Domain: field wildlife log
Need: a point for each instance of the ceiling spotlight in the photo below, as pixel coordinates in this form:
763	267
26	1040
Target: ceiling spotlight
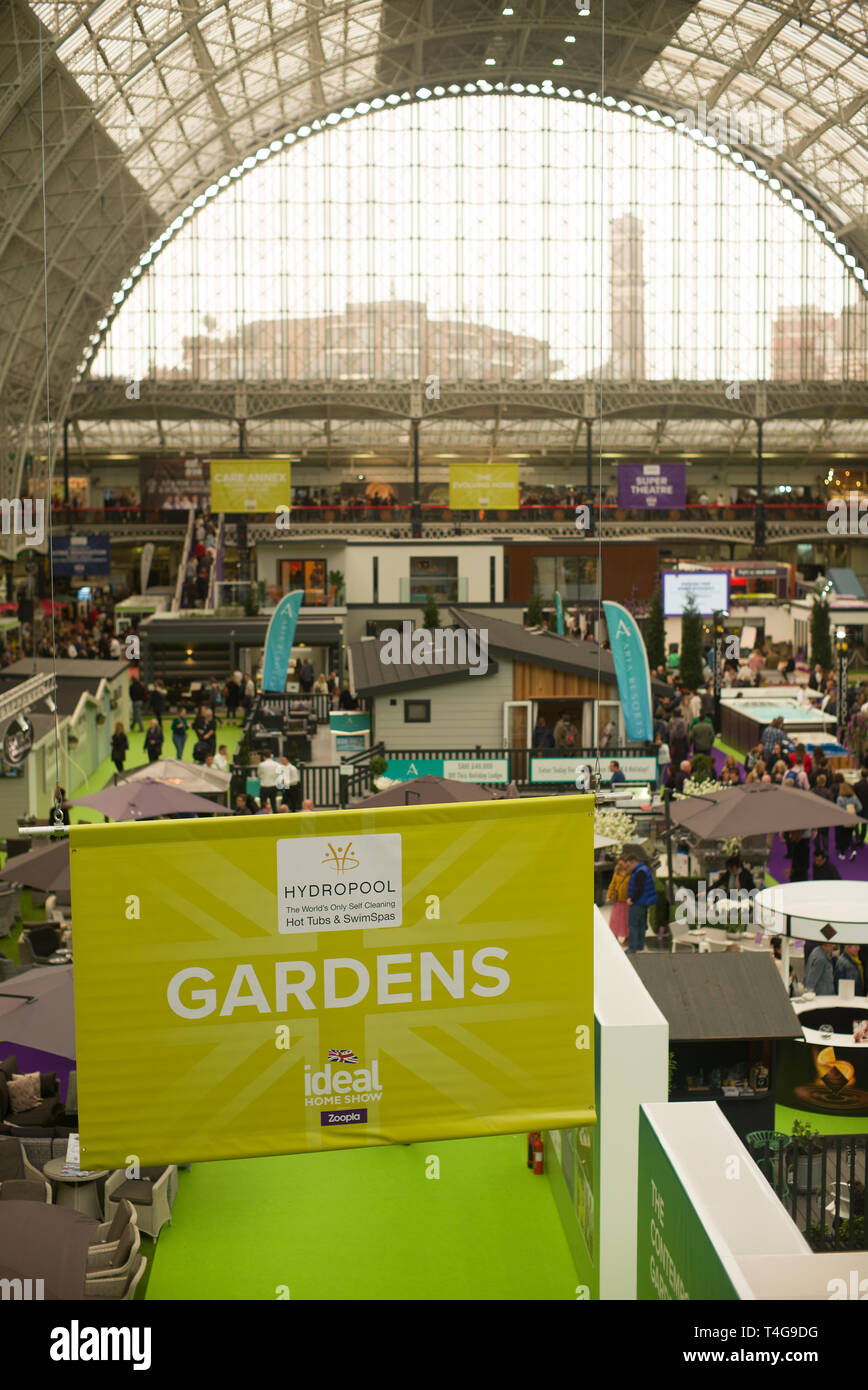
509	11
557	62
490	62
584	11
570	38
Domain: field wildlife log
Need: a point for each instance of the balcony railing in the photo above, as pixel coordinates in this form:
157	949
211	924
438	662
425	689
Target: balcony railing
305	514
821	1182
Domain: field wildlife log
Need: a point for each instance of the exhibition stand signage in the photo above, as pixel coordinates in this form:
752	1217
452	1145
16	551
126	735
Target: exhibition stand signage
267	985
351	732
250	485
77	555
453	769
642	770
474	485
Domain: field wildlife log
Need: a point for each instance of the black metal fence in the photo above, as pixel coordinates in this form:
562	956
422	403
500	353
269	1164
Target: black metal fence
821	1182
327	784
330	784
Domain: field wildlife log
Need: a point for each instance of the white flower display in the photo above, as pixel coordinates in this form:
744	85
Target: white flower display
703	788
731	845
614	825
384	783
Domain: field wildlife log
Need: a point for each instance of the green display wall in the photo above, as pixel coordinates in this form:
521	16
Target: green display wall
676	1256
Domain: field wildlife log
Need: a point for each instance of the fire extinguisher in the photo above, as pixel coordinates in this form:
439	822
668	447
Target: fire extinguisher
535	1151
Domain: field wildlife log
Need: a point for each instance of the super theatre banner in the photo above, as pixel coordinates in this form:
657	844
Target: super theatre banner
333	979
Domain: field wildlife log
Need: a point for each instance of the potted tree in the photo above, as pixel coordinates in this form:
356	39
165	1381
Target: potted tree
807	1161
430	613
534	615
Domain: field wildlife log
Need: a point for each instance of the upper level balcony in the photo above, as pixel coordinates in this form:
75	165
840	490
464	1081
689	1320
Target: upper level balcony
786	522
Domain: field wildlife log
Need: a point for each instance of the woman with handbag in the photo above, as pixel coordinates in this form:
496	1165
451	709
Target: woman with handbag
617	896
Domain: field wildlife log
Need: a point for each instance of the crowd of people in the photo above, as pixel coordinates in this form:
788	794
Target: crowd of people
203	557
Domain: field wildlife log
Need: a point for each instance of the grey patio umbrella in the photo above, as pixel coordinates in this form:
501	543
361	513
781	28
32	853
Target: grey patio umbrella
44	1018
46	869
756	808
187	777
146	799
429	791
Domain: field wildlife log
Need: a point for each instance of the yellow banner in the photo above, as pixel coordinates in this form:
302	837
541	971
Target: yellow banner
250	485
473	485
333	979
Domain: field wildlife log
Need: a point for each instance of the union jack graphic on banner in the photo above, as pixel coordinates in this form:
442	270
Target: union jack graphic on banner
341	1054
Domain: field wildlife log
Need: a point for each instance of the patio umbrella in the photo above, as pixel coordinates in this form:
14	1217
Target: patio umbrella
44	1019
429	791
146	799
46	869
756	808
188	777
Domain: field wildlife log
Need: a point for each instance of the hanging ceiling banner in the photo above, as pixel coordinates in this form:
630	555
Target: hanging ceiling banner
250	485
474	485
334	979
647	485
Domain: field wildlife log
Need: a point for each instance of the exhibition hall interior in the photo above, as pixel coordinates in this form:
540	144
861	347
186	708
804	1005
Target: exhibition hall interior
433	638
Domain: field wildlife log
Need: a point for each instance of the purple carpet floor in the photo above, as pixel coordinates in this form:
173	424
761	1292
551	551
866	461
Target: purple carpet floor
856	870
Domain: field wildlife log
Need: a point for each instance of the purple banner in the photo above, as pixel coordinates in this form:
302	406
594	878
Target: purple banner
661	485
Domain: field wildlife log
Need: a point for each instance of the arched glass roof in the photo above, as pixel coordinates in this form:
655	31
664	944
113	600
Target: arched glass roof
115	115
499	236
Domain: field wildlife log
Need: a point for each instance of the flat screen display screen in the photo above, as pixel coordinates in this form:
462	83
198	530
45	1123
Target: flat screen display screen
710	588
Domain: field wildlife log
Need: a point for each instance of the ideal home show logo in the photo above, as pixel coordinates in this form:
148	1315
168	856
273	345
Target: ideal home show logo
341	1089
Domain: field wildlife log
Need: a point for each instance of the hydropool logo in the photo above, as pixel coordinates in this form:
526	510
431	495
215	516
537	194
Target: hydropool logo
342	1090
341	860
360	884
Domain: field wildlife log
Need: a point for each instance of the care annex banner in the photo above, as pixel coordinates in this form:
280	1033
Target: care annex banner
334	979
474	485
250	485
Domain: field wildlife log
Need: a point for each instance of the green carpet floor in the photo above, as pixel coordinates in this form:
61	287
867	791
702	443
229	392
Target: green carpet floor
367	1224
230	734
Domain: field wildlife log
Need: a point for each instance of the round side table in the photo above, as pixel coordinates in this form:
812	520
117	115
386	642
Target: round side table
79	1193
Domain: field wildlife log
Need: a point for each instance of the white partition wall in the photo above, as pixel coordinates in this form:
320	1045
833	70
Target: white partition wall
633	1067
593	1172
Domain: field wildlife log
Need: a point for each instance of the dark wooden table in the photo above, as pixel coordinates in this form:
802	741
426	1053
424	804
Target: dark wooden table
42	1241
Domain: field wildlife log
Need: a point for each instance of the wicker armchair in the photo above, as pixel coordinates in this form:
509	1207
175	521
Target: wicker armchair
109	1233
152	1195
115	1258
116	1285
19	1180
